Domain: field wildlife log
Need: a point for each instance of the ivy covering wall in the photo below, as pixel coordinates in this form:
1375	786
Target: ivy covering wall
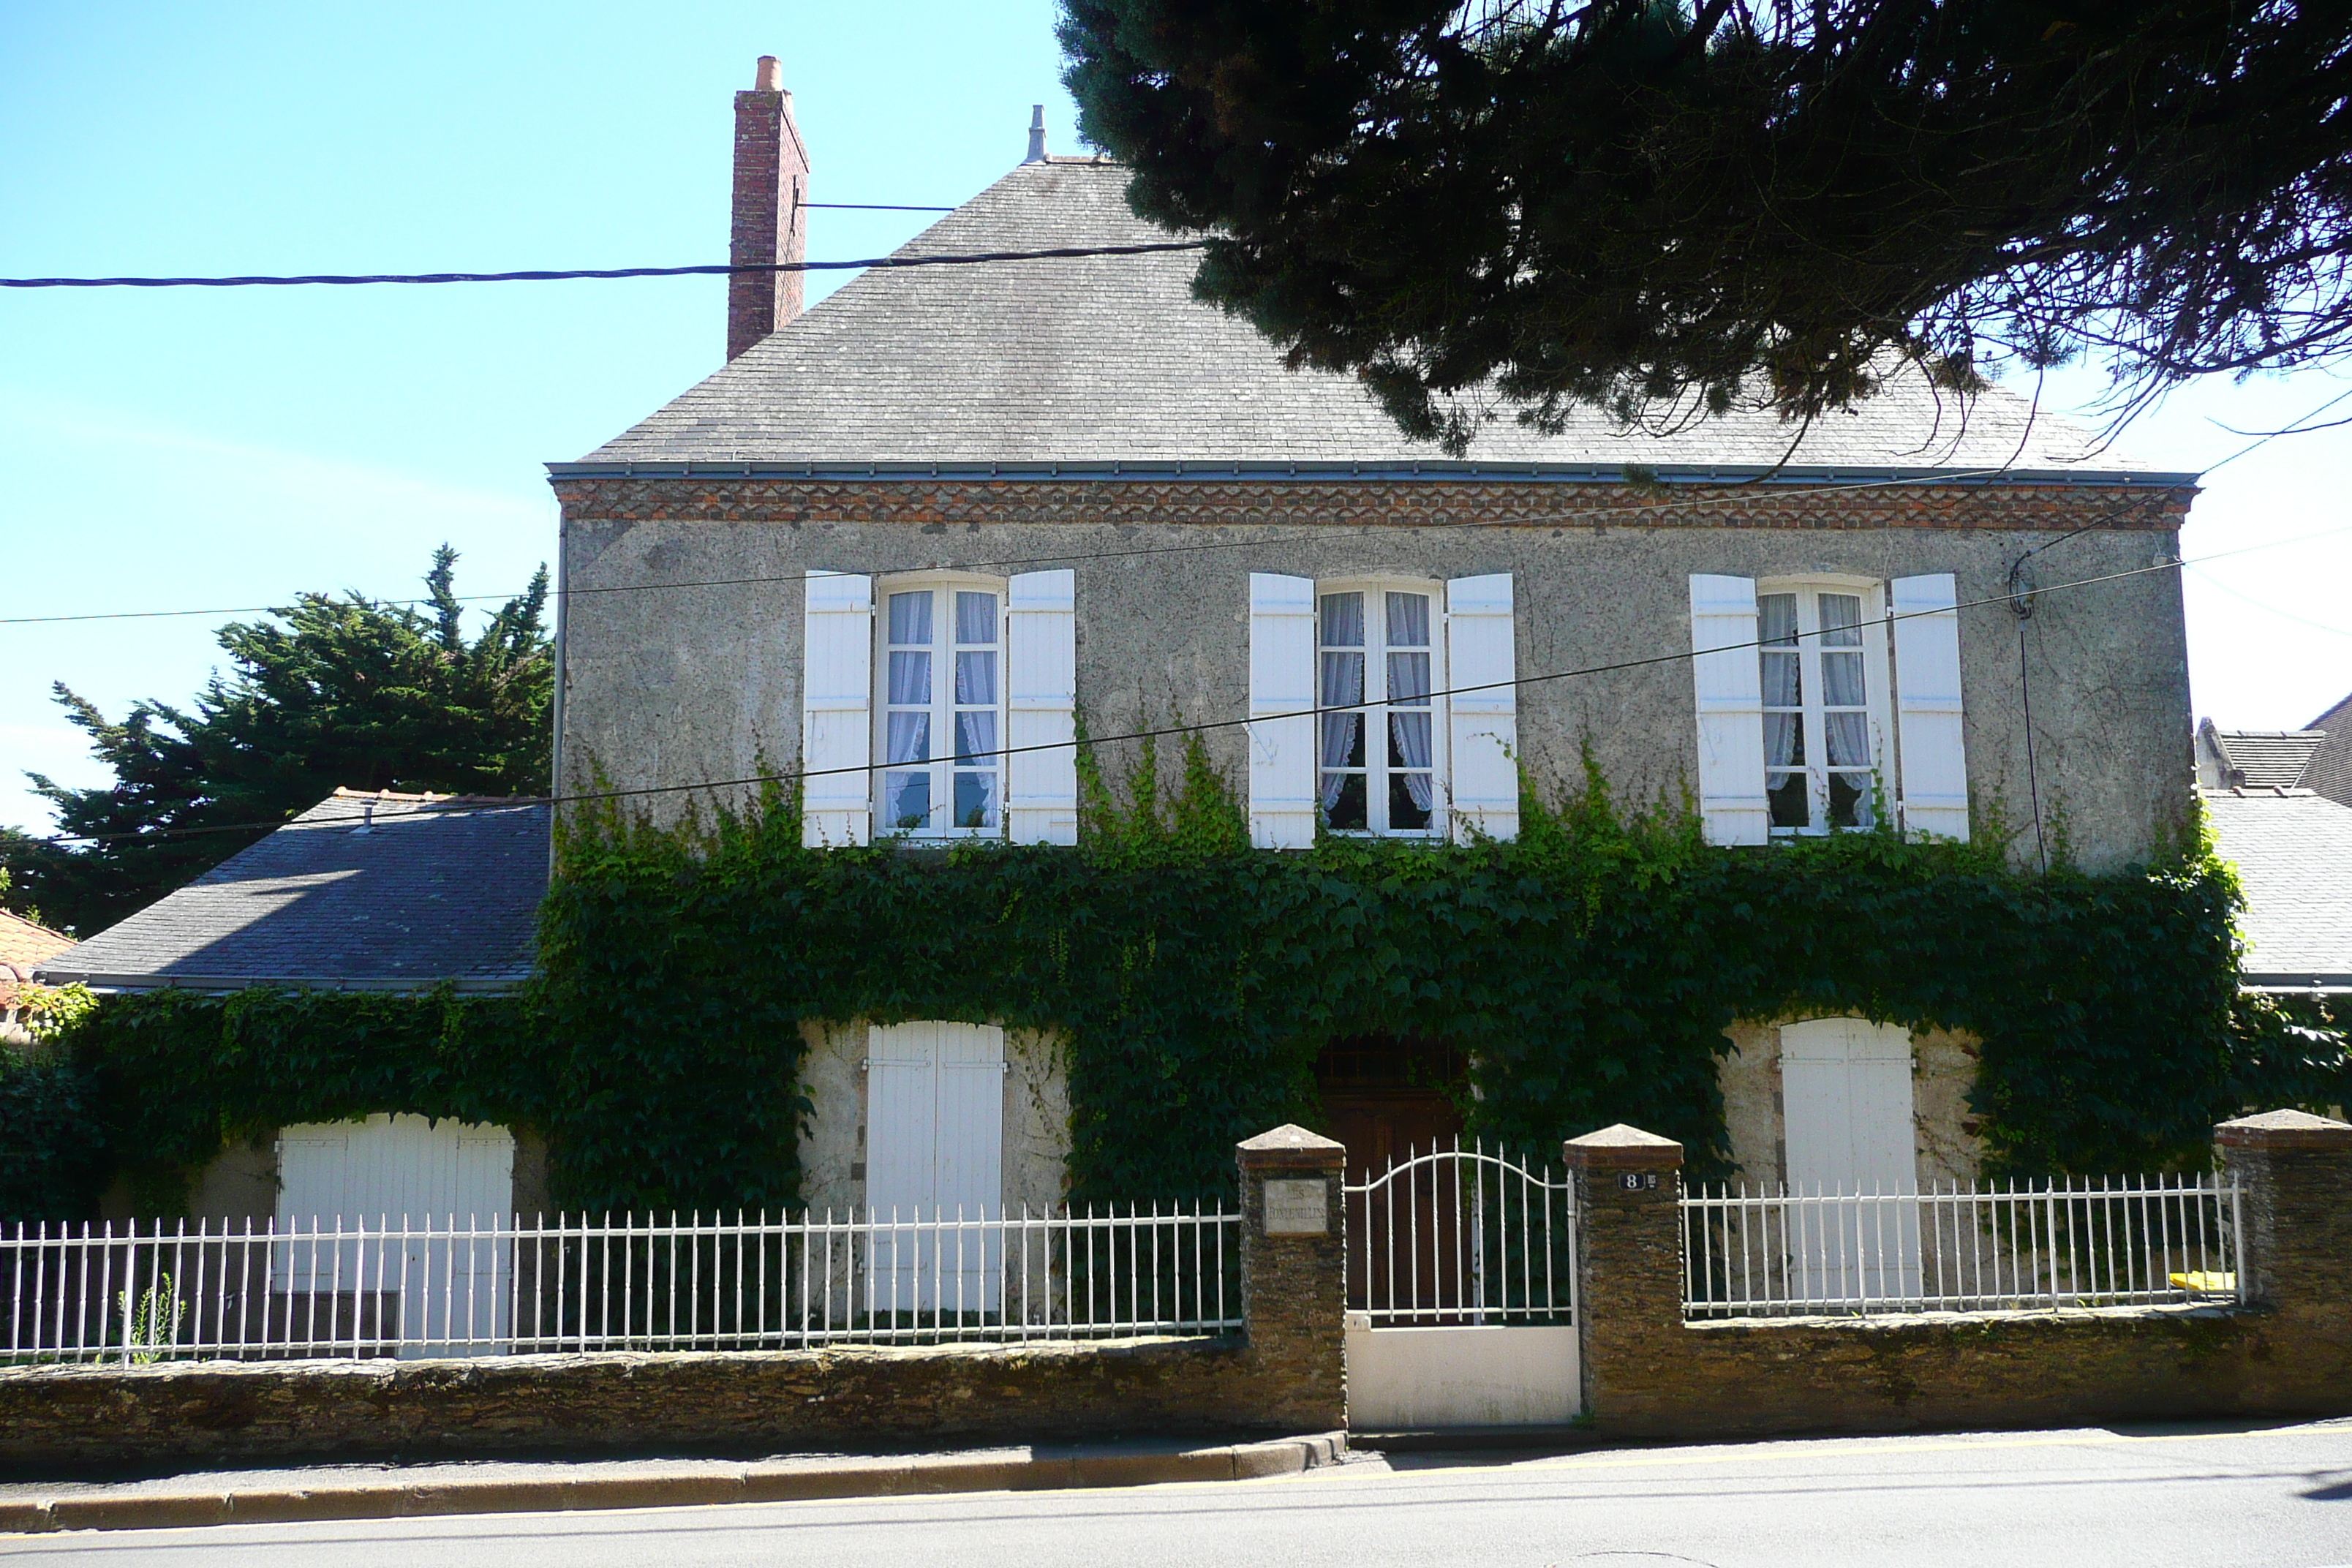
1588	970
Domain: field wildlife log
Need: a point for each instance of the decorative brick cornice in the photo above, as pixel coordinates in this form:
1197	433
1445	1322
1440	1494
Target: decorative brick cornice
1251	502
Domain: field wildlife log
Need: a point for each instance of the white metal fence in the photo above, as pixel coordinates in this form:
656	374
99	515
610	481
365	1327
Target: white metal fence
1461	1236
146	1292
2133	1241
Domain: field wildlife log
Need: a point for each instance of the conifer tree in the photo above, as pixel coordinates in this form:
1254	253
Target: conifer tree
338	690
1664	208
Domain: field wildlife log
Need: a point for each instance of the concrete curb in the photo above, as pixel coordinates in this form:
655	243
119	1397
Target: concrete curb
912	1476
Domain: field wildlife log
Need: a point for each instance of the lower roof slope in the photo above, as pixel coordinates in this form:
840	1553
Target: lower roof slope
2294	855
1105	359
368	891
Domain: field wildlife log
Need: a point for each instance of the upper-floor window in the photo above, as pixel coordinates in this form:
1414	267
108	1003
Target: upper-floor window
941	708
1379	766
1826	702
1823	655
1382	706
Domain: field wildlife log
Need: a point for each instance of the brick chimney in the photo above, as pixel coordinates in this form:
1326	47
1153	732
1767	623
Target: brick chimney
771	173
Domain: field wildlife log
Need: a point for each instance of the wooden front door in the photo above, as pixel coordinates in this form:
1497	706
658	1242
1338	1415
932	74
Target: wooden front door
1387	1098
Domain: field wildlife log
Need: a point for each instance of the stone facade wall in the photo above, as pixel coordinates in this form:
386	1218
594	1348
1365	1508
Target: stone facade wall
1648	1373
1943	1131
669	687
833	1139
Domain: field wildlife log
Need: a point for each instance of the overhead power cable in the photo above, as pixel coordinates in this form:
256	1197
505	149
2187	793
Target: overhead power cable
1168	731
1976	477
724	270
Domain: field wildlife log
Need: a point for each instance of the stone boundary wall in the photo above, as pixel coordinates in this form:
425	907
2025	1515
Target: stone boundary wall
1284	1374
2288	1352
1423	503
861	1394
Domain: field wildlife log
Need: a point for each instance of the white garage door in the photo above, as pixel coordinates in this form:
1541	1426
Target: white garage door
1845	1094
935	1156
401	1173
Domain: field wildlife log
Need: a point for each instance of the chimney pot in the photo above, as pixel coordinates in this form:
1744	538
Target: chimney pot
1037	135
771	224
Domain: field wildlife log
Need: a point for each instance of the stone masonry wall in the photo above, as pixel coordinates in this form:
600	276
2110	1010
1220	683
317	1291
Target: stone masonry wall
762	1401
683	630
2287	1353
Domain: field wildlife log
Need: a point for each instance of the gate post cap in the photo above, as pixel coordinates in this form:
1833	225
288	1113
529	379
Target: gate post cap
1290	1148
2283	1129
1622	1148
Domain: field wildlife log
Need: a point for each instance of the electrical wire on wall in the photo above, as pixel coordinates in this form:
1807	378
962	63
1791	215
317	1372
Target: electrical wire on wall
2020	605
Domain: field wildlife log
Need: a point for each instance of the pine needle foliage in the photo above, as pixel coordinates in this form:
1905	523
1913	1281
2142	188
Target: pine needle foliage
1667	208
338	690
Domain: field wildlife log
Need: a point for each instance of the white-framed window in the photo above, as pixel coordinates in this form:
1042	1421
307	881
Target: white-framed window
1821	700
1432	752
939	707
1823	675
1382	769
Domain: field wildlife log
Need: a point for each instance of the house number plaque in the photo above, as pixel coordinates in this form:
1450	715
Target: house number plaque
1638	1180
1297	1208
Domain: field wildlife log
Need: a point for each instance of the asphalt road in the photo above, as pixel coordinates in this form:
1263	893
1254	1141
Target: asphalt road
2279	1497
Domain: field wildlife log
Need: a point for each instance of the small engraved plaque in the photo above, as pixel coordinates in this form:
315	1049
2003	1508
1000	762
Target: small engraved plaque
1297	1208
1638	1180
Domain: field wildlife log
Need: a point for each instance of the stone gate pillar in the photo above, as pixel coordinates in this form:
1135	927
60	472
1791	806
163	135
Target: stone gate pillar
1628	1269
1294	1276
2293	1172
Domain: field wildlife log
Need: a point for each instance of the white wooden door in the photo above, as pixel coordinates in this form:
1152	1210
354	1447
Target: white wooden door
1845	1096
935	1165
396	1174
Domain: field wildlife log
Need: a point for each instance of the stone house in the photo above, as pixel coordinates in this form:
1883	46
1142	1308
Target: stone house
920	530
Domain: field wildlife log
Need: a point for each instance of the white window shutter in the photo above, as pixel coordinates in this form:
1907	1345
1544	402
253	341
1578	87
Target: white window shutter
1927	706
1483	731
1041	685
1730	692
837	711
1282	772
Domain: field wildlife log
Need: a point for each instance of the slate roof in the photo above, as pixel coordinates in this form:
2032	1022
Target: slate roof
1084	364
366	891
2261	759
2331	767
2293	854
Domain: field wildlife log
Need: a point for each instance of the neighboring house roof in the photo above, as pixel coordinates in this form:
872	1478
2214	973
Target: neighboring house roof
1077	364
2255	759
2331	767
2293	854
390	892
23	945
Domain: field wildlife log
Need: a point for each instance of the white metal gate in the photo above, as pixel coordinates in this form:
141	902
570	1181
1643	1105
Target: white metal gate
1460	1293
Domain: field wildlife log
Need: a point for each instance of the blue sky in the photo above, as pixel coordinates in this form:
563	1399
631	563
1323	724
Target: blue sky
187	448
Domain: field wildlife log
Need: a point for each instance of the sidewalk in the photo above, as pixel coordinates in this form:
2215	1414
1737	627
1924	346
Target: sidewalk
501	1486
